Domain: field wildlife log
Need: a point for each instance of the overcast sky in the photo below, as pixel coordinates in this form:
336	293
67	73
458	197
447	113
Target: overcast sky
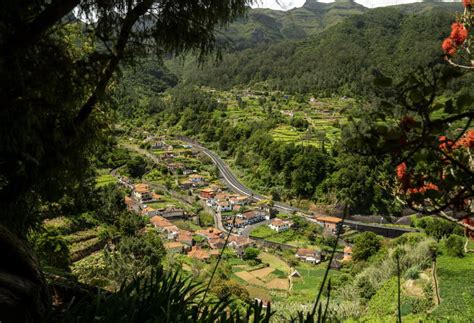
288	4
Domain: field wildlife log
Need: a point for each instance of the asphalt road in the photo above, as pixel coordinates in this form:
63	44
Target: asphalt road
232	182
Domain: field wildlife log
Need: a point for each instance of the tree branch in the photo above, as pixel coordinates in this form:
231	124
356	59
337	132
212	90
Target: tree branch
50	16
130	19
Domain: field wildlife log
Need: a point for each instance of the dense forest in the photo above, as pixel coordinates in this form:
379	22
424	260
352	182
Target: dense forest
339	59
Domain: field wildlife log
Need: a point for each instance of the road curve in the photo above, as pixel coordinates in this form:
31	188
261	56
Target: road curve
233	183
230	179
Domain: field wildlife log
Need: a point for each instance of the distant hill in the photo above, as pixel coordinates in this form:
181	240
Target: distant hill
339	57
267	25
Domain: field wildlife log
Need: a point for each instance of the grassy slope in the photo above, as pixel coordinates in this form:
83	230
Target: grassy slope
456	280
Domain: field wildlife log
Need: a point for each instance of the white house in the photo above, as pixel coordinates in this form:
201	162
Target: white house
308	255
224	206
279	225
142	193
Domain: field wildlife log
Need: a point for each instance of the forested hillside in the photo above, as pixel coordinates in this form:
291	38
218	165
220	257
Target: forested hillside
394	40
266	26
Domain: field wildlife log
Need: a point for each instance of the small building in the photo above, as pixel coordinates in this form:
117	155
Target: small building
196	178
239	200
238	223
279	225
224	206
157	145
216	243
171	212
188	171
330	223
252	216
209	233
186	238
160	223
198	253
142	193
207	193
308	255
174	247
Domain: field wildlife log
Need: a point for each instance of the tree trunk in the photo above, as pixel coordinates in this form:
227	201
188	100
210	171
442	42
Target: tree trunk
24	293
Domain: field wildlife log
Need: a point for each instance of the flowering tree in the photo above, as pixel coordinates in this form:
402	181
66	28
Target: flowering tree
458	45
427	132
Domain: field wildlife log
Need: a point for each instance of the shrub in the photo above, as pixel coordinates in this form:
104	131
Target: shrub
412	273
454	245
251	253
366	245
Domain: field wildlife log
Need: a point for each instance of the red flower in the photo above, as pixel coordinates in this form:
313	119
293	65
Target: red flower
423	189
445	143
467	3
467	140
402	171
459	33
449	46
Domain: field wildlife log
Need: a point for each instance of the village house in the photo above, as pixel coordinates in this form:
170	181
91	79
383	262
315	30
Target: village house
239	200
209	233
159	222
166	227
198	253
216	243
279	225
308	255
252	216
238	223
224	206
239	243
196	178
207	193
186	238
188	171
347	253
174	247
149	211
142	193
330	223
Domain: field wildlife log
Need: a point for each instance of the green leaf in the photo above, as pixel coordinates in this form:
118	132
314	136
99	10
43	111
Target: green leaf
464	100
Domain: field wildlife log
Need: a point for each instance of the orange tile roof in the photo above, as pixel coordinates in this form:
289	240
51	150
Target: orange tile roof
198	253
173	245
329	219
141	188
160	221
303	252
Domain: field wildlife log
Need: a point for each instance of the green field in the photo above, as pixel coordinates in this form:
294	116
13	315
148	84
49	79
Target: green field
105	179
456	284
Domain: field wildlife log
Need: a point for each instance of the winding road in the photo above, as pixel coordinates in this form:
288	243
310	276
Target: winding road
236	186
233	183
230	179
